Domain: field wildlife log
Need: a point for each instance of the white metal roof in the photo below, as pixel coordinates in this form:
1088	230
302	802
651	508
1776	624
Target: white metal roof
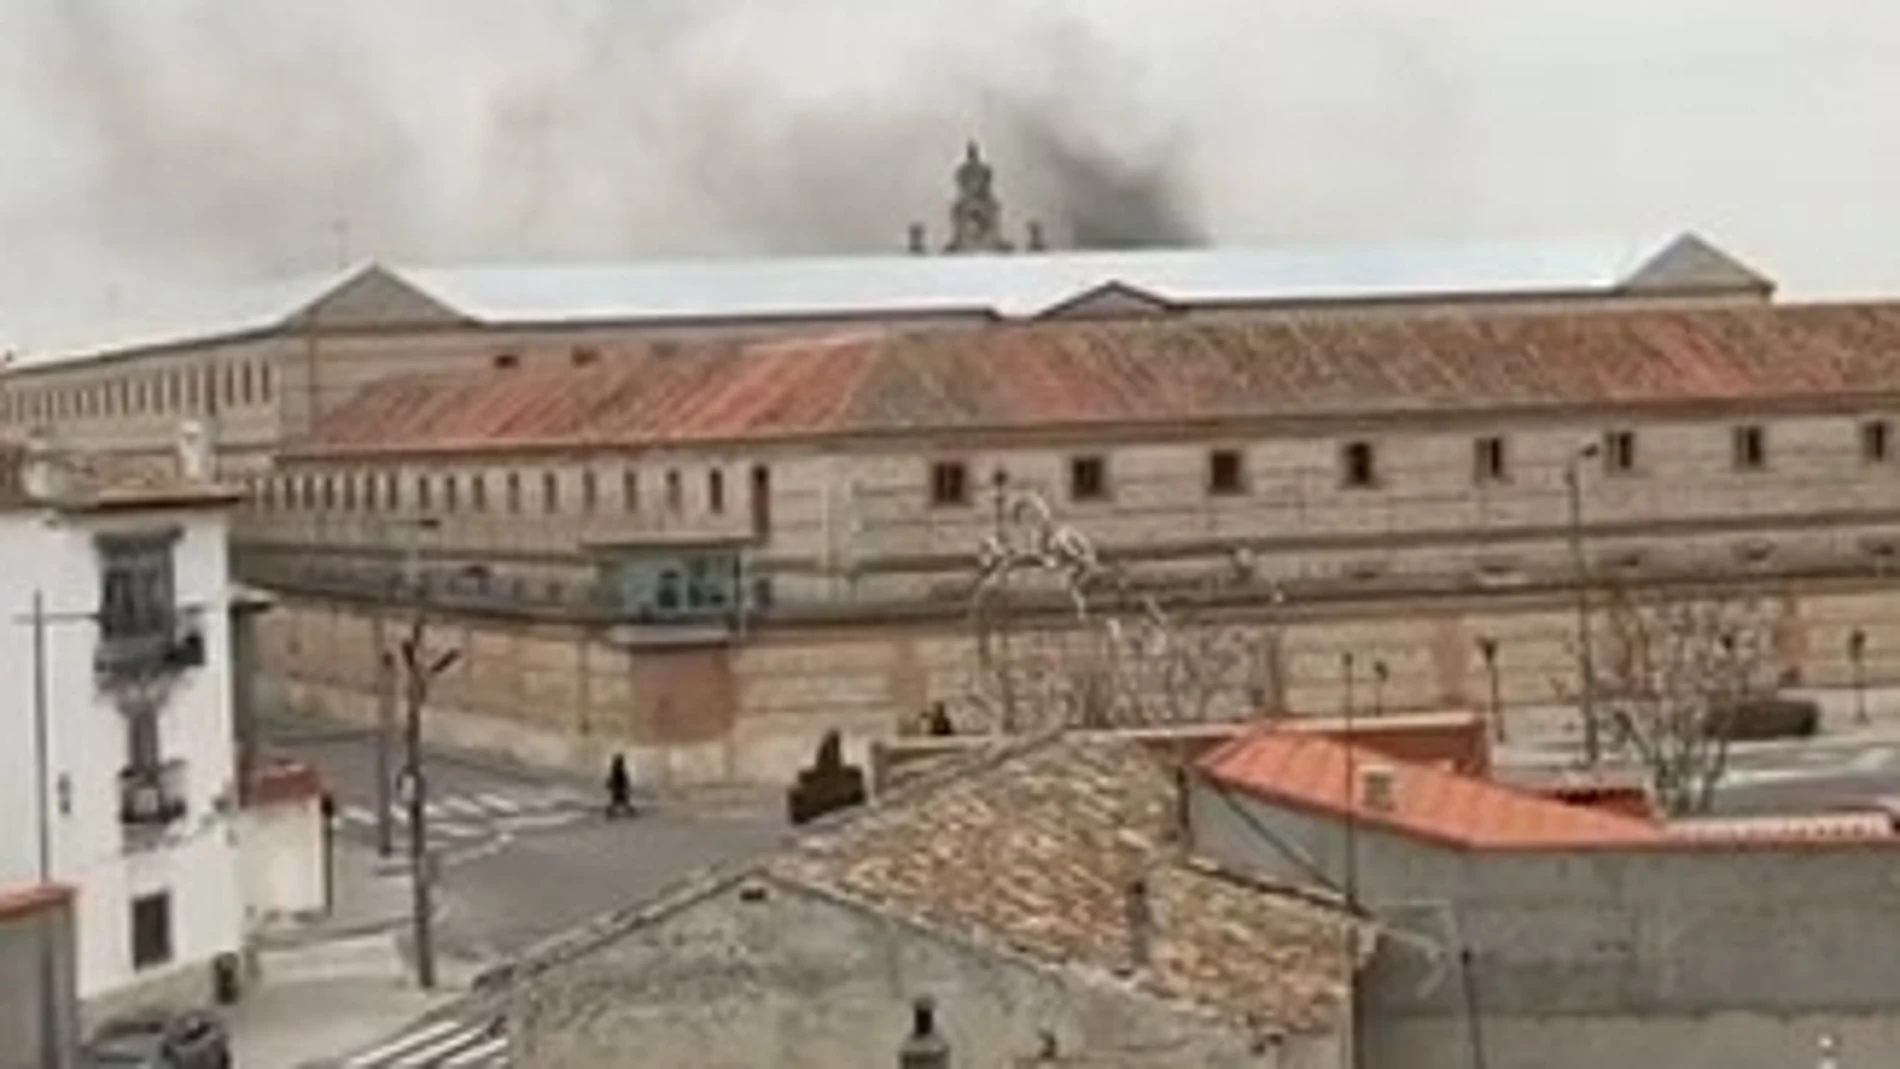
1007	286
1018	286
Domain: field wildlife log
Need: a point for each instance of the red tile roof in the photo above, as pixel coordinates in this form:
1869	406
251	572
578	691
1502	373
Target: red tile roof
1316	772
1156	372
31	899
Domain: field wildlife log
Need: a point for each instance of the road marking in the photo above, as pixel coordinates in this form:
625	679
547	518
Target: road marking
405	1042
418	1057
481	1052
499	802
356	814
463	806
449	829
1873	760
534	821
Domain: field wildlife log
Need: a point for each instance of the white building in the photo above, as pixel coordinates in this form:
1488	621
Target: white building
128	794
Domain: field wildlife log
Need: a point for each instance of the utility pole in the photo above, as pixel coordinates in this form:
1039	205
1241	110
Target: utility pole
1586	654
420	668
53	1045
50	1053
405	584
1349	828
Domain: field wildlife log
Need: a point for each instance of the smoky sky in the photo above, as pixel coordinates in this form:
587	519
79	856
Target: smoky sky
147	144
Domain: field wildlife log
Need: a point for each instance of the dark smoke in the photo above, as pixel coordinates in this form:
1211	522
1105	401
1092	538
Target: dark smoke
201	141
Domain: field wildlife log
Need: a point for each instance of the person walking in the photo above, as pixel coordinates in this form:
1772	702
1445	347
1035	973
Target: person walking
619	788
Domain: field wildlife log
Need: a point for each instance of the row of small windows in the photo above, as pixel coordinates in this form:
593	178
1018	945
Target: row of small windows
1360	469
472	492
205	389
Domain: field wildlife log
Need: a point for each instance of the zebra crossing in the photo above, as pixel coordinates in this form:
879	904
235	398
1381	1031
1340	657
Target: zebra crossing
439	1043
478	815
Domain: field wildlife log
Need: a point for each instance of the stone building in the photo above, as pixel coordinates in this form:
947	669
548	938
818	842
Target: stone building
711	555
1040	893
263	363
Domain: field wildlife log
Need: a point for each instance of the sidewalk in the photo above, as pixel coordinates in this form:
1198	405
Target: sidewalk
1551	737
331	985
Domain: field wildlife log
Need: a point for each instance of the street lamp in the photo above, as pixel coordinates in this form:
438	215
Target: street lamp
1586	659
1857	656
1379	676
1488	649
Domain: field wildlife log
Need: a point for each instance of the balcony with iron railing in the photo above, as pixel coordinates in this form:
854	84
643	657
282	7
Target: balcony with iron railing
152	798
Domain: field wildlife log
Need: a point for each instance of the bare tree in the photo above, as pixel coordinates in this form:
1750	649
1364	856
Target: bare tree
1123	659
1670	673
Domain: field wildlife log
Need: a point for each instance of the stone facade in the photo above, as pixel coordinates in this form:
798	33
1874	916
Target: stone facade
752	709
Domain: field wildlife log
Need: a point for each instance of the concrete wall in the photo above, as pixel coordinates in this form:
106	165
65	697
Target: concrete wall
29	944
282	855
1690	957
796	981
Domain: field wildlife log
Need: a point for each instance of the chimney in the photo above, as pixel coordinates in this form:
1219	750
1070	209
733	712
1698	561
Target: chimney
195	453
1377	789
44	475
924	1048
918	240
1141	922
1037	241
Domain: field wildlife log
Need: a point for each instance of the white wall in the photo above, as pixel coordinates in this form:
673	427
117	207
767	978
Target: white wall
282	855
196	862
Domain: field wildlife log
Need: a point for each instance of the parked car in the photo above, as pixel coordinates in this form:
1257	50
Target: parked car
191	1040
1771	717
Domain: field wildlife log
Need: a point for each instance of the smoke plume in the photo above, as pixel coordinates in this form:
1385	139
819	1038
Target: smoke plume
147	142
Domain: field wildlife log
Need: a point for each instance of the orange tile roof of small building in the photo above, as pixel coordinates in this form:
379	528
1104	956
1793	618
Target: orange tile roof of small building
35	898
1318	772
1159	373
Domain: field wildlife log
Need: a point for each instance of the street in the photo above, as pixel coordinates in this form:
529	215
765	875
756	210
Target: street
1851	766
525	854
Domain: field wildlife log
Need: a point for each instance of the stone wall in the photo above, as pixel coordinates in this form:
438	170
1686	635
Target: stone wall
766	974
752	708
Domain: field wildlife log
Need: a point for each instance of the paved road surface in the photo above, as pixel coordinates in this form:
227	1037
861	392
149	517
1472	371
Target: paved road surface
470	1036
526	854
1792	776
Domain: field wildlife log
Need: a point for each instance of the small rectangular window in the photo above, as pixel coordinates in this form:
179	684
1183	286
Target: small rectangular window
425	499
1619	452
1490	460
1226	472
630	490
1088	478
514	492
675	496
949	483
1750	445
1876	441
478	492
392	491
590	491
504	361
716	491
1359	465
583	355
151	930
550	491
450	493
